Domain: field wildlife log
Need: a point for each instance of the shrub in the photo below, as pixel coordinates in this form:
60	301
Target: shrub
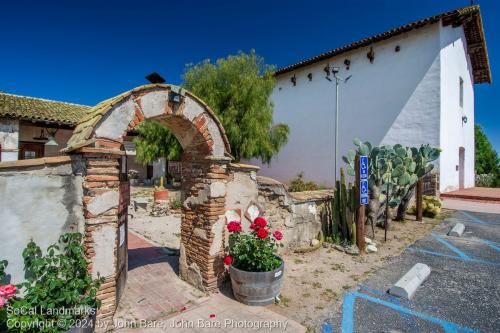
254	251
175	204
431	206
486	180
58	289
298	184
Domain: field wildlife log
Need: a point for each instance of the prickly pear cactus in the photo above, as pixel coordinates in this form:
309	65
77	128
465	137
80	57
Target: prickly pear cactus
394	170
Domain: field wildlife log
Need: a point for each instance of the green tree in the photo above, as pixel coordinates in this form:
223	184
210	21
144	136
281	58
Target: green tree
155	141
487	161
237	88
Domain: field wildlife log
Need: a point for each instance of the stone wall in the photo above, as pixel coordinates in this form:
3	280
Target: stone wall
40	200
298	214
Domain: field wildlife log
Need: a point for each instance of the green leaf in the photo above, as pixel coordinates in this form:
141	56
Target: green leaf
404	179
350	171
357	142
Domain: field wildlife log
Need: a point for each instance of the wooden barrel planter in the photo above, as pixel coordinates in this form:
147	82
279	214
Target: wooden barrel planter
256	288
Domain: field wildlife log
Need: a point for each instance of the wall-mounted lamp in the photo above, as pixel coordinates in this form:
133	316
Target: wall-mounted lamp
397	48
294	80
327	70
347	63
174	97
371	55
464	120
310	76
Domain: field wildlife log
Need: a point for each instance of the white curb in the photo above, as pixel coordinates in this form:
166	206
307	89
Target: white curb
408	284
457	230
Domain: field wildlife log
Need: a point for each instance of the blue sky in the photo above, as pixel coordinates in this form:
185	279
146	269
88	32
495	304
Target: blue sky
87	51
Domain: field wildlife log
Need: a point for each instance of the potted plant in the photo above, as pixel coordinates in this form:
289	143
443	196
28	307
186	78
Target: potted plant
160	193
255	269
59	294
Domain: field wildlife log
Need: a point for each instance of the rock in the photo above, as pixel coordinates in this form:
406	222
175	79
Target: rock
314	242
159	208
338	247
352	250
326	245
371	248
368	241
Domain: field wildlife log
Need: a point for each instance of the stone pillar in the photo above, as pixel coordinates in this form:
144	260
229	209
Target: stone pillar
203	222
105	208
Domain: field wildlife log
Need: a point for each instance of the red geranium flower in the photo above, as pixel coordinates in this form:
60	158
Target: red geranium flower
262	233
260	222
228	260
278	235
7	291
234	226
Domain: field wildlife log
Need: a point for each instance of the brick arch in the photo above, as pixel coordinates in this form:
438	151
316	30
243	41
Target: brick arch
99	140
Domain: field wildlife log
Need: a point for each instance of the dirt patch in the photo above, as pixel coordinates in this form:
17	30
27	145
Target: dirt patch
315	281
163	231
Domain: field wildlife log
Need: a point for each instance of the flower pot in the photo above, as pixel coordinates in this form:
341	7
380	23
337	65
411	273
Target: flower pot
86	325
161	195
256	288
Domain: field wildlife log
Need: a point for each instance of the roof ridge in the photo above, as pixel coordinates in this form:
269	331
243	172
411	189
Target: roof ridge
45	99
457	13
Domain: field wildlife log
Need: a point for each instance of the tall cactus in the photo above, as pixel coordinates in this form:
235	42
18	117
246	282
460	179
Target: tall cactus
343	211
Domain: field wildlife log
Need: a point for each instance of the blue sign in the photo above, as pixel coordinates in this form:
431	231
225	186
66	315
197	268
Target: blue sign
363	167
363	183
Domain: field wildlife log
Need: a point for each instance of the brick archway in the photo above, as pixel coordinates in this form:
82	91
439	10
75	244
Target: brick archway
99	139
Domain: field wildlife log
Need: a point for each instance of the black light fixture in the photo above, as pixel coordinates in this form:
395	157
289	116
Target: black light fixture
371	55
155	78
347	63
310	76
294	80
464	120
327	70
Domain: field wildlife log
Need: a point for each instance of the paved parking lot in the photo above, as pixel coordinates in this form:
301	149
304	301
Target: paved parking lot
462	293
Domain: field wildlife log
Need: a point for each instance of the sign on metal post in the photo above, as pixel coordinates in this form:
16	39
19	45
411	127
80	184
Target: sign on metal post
363	180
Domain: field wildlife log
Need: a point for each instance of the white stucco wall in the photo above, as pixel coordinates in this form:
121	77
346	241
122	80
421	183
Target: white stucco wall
395	99
38	203
9	139
454	134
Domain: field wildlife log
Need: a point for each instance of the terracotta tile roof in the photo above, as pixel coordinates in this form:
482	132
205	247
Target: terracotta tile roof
30	108
469	17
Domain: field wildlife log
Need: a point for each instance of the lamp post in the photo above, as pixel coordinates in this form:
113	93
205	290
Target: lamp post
338	79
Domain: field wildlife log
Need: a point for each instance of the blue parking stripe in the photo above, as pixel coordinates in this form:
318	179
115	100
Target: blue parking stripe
474	219
491	244
439	254
348	314
451	247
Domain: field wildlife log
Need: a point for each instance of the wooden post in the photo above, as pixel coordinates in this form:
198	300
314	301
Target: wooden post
360	211
420	190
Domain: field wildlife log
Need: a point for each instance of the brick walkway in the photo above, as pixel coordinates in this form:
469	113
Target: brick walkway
483	194
153	287
157	300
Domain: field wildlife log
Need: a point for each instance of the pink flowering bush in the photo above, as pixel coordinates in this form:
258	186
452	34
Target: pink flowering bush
254	251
